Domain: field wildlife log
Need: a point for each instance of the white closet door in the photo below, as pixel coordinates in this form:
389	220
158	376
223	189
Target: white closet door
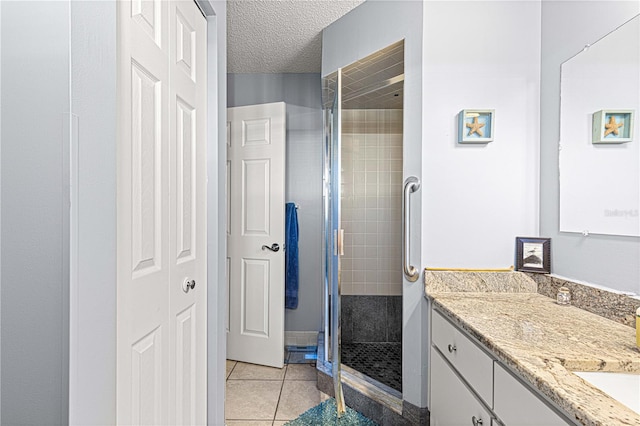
160	209
187	254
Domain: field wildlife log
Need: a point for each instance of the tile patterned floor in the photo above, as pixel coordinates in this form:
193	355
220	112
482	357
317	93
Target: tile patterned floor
265	396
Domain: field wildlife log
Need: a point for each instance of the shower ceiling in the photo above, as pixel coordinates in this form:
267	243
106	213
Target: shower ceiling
374	82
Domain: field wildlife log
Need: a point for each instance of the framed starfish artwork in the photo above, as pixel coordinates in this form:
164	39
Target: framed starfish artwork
475	125
613	126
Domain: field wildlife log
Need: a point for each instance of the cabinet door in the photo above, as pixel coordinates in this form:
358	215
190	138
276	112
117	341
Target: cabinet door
452	404
516	405
466	357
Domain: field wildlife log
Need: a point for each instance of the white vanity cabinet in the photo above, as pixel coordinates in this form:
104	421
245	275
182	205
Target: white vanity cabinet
518	406
465	356
470	387
452	403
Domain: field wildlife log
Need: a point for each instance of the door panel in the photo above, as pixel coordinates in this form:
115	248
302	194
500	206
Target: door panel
256	197
255	297
187	34
161	331
149	15
186	45
185	187
143	340
147	380
186	366
255	132
255	191
146	140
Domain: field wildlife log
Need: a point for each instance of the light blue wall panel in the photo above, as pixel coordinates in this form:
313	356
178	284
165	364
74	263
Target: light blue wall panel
35	212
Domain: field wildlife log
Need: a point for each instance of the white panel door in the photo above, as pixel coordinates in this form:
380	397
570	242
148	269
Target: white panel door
256	183
161	329
187	253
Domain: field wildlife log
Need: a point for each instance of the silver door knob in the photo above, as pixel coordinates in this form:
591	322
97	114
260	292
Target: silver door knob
476	421
452	348
274	247
188	285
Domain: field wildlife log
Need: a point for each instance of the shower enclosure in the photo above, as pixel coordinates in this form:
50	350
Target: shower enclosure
363	223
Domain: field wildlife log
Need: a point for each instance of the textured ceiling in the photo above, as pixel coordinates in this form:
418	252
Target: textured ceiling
279	36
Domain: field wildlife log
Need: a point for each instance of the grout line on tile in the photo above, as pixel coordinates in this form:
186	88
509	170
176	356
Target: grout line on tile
232	368
279	395
256	380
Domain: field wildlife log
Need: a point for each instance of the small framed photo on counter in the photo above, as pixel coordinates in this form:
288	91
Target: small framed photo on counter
533	254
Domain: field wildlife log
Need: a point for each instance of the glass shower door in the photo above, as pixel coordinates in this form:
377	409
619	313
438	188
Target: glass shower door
363	186
338	240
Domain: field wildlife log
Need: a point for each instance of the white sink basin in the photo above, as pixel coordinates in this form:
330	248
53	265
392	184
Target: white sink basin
620	386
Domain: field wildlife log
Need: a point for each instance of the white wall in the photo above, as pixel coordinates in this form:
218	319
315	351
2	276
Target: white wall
612	261
92	356
216	215
35	216
0	213
478	197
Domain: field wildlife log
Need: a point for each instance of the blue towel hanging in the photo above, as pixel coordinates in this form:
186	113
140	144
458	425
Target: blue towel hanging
291	257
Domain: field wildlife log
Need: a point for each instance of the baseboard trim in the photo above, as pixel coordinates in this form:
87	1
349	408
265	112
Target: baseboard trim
300	338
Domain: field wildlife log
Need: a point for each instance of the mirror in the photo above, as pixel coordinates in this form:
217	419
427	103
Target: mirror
599	156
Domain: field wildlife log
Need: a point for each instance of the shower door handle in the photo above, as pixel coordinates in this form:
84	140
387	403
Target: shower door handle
338	245
412	184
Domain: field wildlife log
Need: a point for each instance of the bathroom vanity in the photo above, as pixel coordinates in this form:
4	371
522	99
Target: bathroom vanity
462	370
501	353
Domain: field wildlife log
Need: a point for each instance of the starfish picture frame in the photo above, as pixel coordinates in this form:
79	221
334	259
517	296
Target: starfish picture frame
613	126
475	125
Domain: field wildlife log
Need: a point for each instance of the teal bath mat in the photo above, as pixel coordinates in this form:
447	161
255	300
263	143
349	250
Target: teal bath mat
326	414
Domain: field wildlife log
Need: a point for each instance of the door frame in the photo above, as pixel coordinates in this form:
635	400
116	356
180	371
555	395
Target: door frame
91	130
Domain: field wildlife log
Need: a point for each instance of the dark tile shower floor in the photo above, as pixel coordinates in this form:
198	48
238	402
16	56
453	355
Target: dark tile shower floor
380	361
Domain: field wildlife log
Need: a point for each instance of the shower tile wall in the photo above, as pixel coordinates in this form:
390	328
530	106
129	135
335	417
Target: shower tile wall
372	201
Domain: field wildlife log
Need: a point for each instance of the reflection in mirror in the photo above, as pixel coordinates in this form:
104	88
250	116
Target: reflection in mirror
600	182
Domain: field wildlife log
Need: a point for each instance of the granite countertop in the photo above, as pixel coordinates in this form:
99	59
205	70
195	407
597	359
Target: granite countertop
541	340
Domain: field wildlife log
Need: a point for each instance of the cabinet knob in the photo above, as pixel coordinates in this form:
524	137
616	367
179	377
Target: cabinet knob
476	421
452	349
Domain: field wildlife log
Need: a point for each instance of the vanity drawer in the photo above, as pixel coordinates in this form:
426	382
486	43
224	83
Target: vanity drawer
516	405
466	357
452	404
